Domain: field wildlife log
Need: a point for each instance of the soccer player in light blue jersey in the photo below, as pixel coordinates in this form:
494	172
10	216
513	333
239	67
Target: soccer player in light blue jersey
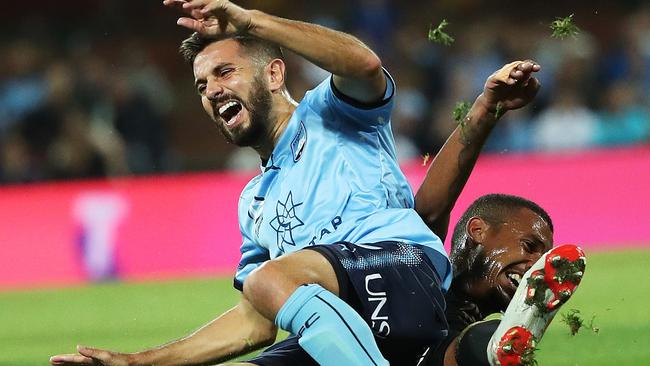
329	176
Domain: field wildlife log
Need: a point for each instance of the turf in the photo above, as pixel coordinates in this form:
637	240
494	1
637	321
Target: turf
616	291
130	316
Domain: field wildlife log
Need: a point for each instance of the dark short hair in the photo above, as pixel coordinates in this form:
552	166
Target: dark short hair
260	50
494	209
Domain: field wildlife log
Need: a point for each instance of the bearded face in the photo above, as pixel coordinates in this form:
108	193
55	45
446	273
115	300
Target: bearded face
234	92
245	121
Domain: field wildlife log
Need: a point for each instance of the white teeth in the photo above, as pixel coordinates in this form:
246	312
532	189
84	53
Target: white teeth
515	277
226	106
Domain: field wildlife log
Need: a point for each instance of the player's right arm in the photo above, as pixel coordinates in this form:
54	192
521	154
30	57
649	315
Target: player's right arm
511	87
236	332
357	70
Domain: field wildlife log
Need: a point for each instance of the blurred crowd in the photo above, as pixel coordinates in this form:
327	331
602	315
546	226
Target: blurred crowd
89	91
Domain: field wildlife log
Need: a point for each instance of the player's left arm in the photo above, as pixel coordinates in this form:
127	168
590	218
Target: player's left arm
236	332
357	70
511	87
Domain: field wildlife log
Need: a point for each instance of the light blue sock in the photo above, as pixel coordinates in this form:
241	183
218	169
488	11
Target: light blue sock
328	328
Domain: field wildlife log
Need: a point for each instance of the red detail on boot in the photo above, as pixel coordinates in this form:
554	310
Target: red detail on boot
571	253
517	341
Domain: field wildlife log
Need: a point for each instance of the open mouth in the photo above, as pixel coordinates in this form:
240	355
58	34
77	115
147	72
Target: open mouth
515	278
507	285
229	111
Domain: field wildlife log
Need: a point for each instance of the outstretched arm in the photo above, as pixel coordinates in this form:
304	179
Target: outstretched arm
512	87
356	68
236	332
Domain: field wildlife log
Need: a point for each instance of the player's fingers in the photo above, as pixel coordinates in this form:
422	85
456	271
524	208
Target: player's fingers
221	7
173	2
197	14
207	27
523	71
89	351
188	5
210	7
528	66
524	67
178	5
207	7
503	74
534	85
532	88
533	62
195	4
101	356
65	360
517	74
190	23
520	77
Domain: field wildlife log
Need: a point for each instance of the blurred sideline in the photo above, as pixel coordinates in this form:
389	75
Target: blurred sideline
177	226
89	90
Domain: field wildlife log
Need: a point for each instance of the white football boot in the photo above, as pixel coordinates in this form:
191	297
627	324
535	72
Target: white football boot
545	287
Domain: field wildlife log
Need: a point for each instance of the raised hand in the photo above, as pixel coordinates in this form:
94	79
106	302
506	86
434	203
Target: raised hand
512	87
91	356
212	18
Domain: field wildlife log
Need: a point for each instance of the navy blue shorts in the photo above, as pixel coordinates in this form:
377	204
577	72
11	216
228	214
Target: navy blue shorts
394	287
284	353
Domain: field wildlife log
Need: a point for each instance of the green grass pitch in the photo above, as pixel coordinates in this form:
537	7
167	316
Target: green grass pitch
128	317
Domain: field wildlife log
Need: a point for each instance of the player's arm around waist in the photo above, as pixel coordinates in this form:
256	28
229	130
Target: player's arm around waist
356	68
236	332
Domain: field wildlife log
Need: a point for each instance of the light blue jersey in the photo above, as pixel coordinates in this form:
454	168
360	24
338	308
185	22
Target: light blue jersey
332	177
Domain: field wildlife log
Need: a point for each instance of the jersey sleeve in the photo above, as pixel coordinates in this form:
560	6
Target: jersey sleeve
348	110
252	257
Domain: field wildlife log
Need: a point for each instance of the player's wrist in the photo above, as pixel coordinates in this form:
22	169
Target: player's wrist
136	359
145	358
484	111
483	104
258	22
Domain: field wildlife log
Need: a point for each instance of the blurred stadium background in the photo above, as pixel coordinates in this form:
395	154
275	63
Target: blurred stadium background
118	197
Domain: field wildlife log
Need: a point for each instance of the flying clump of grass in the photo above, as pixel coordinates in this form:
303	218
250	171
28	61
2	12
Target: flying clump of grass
438	35
564	27
575	322
459	113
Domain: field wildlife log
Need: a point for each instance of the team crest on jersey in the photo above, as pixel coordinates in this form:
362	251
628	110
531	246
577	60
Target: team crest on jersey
298	143
285	221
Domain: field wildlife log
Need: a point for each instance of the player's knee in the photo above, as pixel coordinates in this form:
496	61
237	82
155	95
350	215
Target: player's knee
253	284
267	287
